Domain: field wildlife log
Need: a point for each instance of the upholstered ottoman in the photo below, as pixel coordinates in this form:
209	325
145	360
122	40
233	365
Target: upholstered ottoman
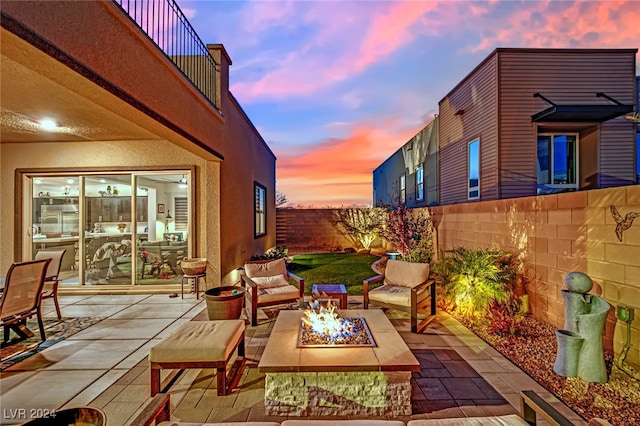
201	344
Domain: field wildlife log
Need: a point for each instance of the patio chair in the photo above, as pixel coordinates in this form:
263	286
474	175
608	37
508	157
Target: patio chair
50	289
21	297
406	287
267	284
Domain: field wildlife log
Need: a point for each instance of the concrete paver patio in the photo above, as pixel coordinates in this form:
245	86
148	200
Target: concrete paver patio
105	366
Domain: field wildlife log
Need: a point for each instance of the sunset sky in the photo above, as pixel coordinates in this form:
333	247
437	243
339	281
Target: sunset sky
335	87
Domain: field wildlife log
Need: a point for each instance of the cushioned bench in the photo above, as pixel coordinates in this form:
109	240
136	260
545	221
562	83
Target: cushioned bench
201	344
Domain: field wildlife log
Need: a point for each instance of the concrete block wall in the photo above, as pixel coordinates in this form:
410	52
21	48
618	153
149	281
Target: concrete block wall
308	230
554	235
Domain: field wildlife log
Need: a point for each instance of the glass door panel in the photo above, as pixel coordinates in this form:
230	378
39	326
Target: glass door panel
55	221
162	226
108	237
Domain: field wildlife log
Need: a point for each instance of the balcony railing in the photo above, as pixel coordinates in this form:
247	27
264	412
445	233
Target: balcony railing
165	24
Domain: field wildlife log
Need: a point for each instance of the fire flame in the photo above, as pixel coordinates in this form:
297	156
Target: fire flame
325	321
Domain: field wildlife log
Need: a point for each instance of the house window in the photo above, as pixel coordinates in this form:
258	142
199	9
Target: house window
557	163
474	170
403	189
260	196
419	183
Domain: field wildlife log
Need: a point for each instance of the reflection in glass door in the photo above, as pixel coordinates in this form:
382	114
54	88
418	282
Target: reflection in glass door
108	237
162	229
55	221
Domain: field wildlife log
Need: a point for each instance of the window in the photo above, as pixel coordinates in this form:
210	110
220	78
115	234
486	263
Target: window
473	185
260	195
557	162
419	183
403	189
181	219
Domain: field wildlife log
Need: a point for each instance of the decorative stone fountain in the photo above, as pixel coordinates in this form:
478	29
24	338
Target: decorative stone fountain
580	351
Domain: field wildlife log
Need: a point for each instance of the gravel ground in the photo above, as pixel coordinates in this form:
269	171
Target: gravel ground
617	401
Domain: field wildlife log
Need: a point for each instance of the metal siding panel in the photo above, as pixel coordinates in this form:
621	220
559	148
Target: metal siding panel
617	153
564	77
477	97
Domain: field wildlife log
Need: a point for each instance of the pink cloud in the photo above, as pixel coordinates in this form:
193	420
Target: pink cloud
337	51
586	24
337	172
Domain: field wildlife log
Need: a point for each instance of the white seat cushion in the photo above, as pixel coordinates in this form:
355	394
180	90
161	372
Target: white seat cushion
266	269
506	420
273	294
199	341
392	294
269	282
405	274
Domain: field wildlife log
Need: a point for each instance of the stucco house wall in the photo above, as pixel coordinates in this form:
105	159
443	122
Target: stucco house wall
96	53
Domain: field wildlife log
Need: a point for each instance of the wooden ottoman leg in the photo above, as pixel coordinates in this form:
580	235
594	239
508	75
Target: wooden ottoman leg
155	380
241	347
221	375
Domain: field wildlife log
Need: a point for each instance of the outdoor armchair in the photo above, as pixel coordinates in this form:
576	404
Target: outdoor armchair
21	297
406	287
50	289
267	284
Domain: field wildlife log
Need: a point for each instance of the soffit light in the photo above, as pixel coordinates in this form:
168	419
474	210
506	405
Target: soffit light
48	124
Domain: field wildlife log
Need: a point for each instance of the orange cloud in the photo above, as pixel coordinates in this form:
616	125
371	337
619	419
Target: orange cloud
337	172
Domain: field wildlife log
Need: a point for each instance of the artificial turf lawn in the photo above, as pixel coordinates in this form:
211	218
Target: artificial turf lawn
349	269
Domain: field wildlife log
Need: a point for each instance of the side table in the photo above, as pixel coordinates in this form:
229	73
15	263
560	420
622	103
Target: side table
196	286
332	291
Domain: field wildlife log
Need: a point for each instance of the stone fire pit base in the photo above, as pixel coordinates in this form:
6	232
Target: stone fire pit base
372	393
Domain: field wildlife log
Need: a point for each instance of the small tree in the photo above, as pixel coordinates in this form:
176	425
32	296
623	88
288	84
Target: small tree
281	198
362	225
410	232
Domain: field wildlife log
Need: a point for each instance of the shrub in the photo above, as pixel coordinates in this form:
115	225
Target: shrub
410	232
273	253
505	319
474	279
362	225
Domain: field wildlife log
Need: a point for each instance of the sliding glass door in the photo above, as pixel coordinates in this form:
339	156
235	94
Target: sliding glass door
118	228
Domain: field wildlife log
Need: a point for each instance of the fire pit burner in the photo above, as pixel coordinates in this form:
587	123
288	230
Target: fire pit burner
356	333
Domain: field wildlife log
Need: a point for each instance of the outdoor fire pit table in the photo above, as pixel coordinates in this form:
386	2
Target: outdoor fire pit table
337	380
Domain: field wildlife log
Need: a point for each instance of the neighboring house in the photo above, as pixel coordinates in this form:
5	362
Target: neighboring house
536	121
410	174
148	147
637	118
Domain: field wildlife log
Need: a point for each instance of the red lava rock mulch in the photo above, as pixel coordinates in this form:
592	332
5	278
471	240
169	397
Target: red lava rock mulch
617	401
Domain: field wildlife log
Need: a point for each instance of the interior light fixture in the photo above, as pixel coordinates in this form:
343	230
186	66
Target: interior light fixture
182	185
37	181
69	181
103	181
183	180
48	124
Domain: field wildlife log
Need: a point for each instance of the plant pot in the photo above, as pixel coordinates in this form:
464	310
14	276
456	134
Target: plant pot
193	266
224	302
